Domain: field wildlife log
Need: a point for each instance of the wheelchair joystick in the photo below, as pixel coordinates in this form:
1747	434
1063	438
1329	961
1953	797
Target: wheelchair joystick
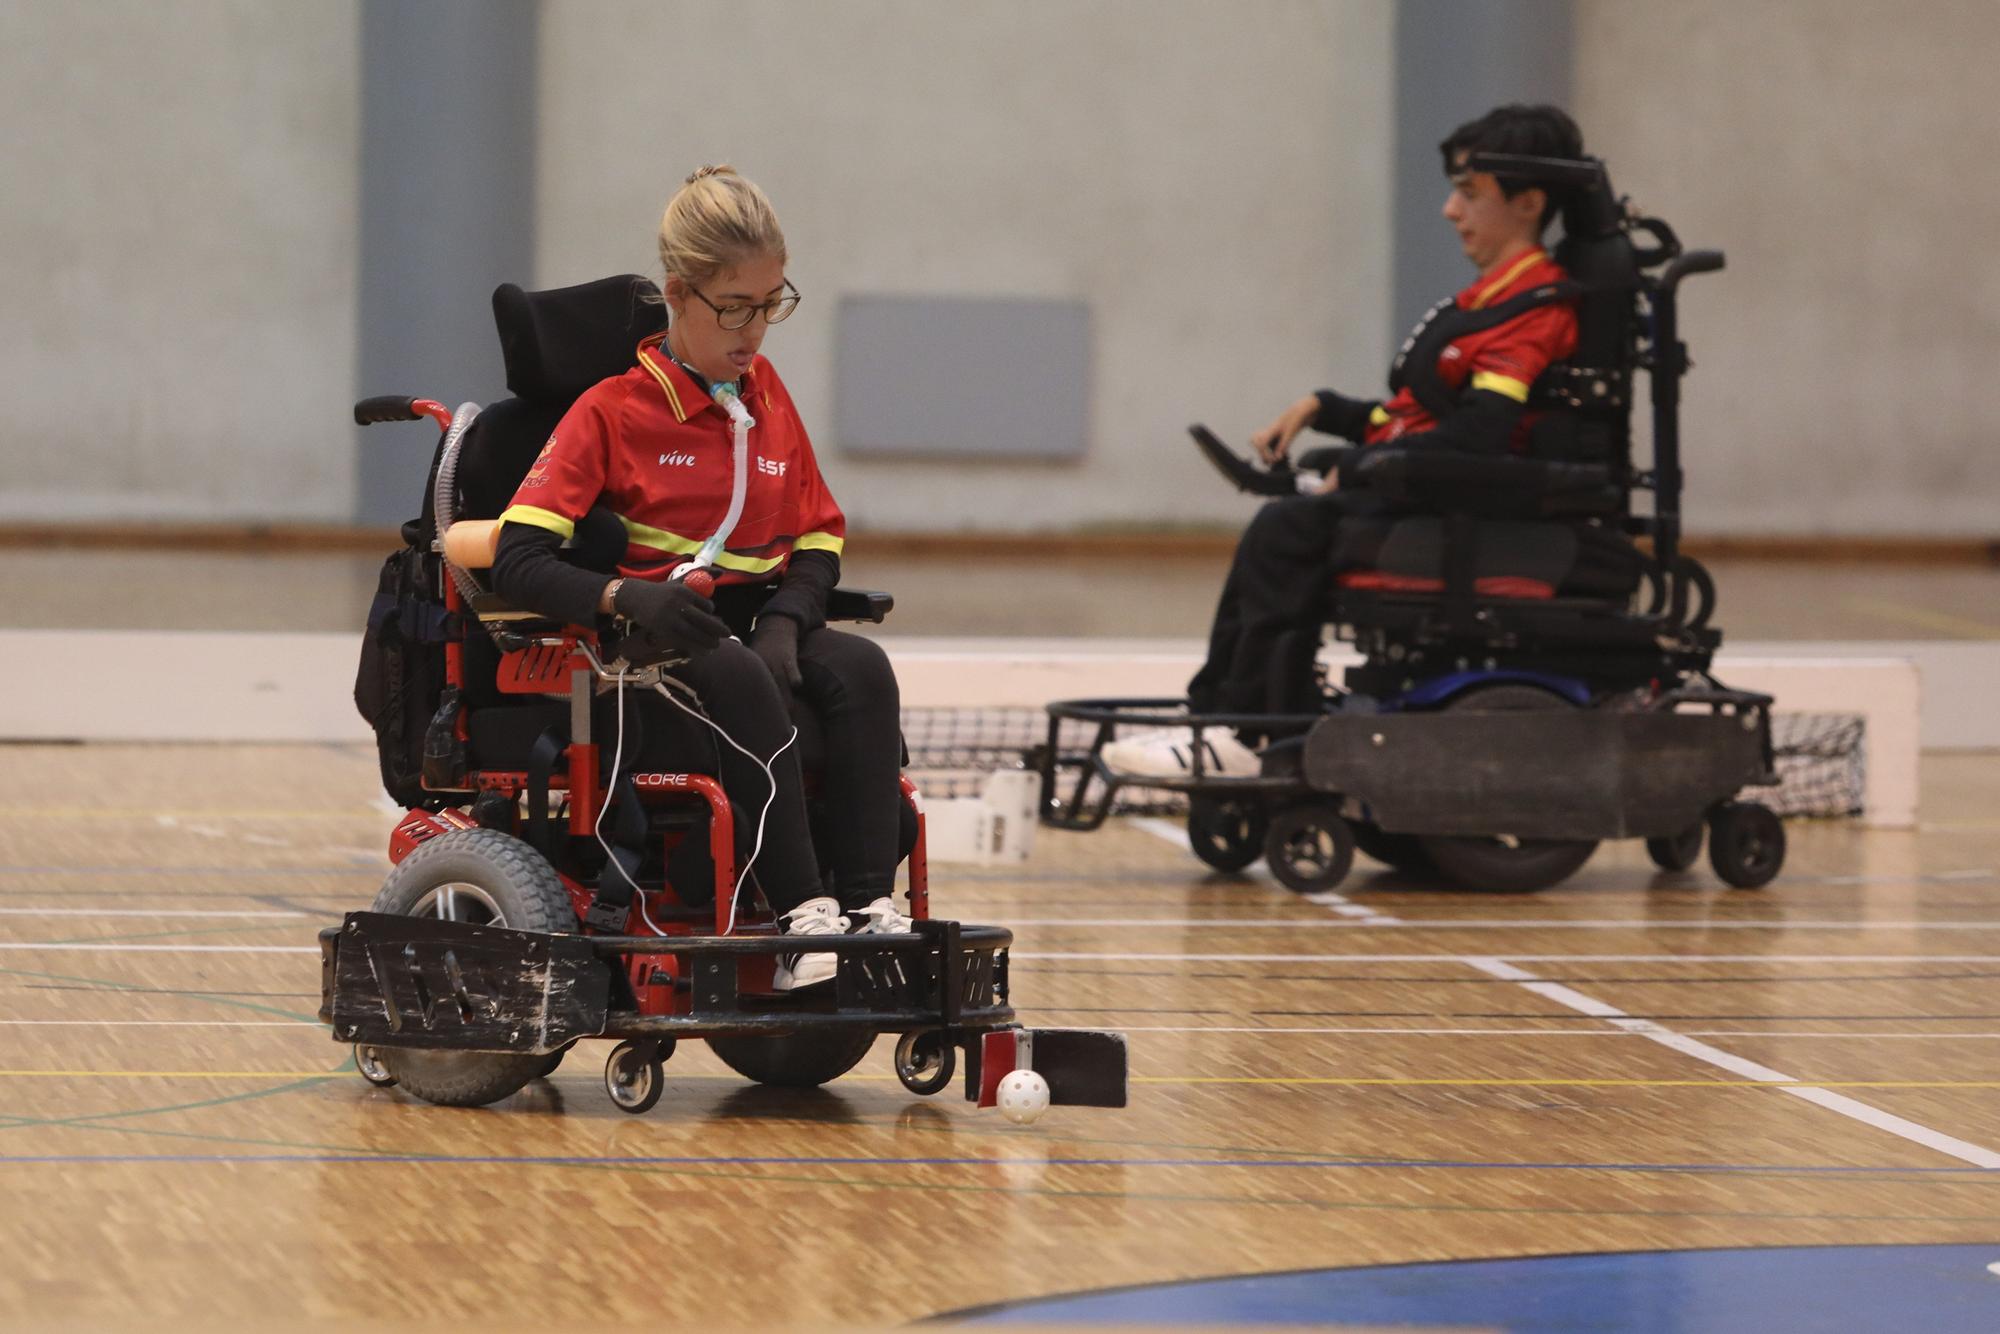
696	578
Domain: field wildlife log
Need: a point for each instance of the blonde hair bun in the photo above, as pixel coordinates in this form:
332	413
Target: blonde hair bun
717	220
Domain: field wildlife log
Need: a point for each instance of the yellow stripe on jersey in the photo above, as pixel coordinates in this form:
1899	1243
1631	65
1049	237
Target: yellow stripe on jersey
673	398
661	540
1501	384
1499	284
820	542
540	518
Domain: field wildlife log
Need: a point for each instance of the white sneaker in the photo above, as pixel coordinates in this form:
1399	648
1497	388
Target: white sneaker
1169	753
814	917
881	918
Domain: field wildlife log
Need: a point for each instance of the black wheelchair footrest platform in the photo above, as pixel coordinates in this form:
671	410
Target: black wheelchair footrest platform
419	982
1576	774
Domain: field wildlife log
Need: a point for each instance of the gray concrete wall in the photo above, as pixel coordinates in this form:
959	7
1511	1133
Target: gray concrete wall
1839	152
1209	178
177	258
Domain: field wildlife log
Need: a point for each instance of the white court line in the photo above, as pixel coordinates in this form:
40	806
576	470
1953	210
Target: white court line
117	947
1338	904
1510	924
111	947
162	1023
1852	1108
73	911
1128	956
1856	1035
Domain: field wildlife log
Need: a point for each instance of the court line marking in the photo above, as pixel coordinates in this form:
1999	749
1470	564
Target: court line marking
72	910
1358	1081
1515	924
1853	1036
1818	1093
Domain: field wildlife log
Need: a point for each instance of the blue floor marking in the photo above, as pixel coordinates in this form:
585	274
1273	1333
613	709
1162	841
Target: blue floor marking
1796	1290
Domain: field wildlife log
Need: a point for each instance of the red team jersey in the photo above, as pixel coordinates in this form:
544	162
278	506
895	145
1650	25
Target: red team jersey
1504	359
653	446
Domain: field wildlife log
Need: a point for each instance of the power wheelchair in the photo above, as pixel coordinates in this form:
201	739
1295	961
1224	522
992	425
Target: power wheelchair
1533	679
538	899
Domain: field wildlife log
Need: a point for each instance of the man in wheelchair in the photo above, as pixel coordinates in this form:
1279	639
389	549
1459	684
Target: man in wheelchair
1266	627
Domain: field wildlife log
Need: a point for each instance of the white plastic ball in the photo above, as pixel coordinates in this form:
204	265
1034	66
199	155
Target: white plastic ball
1022	1096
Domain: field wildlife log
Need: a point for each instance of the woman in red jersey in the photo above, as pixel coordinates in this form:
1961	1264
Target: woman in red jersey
700	453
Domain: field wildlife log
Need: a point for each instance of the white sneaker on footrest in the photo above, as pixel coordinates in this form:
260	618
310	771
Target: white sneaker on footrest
881	918
1169	753
814	917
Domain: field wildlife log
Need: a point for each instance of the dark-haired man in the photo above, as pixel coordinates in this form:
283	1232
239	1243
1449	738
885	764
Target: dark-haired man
1266	628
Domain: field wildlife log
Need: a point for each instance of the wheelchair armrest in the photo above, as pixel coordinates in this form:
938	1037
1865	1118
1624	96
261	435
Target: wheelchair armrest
858	604
1498	486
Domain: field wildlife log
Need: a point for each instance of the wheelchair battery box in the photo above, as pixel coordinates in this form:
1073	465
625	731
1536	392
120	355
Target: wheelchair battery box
1574	774
419	982
1084	1067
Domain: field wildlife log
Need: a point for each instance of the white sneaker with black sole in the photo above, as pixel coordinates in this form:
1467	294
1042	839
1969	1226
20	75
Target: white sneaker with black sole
880	918
814	917
1170	753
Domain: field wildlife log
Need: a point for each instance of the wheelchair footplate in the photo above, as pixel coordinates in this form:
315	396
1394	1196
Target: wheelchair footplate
395	984
1079	790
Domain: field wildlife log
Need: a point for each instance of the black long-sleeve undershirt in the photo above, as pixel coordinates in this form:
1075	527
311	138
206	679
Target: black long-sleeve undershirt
529	573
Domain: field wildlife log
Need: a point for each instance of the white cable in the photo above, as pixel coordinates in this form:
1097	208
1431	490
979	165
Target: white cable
610	793
757	845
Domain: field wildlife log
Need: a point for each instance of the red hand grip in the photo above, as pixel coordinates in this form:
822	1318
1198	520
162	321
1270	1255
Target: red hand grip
701	581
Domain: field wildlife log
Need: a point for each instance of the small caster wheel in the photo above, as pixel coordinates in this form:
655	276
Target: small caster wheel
1746	843
925	1062
635	1076
1228	835
1676	852
1309	848
368	1060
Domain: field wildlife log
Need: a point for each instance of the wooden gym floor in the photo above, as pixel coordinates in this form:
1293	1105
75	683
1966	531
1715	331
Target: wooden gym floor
1632	1061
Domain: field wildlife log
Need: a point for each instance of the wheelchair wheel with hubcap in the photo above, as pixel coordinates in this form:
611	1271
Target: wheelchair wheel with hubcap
795	1060
1508	865
925	1062
1309	848
1746	843
368	1060
1228	835
485	878
635	1074
1676	852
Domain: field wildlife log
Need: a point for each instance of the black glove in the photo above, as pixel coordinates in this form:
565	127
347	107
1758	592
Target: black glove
671	614
776	641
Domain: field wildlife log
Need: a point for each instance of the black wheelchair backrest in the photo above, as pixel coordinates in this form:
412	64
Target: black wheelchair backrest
556	344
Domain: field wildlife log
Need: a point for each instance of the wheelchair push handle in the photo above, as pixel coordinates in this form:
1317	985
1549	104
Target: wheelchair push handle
1694	261
400	408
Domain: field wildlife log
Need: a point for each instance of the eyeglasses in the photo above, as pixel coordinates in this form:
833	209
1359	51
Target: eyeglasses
735	317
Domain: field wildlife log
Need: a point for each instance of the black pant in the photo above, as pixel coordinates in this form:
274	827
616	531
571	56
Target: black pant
1266	631
848	714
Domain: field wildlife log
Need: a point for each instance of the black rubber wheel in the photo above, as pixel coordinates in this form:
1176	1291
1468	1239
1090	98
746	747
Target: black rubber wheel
1508	865
925	1062
1309	848
554	1060
489	879
1676	852
634	1077
797	1061
1228	835
1746	843
1398	852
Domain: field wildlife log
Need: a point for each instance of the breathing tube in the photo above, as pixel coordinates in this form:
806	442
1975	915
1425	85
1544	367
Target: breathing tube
740	422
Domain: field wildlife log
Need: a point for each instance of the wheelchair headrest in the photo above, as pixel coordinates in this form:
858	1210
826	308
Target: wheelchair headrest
560	342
